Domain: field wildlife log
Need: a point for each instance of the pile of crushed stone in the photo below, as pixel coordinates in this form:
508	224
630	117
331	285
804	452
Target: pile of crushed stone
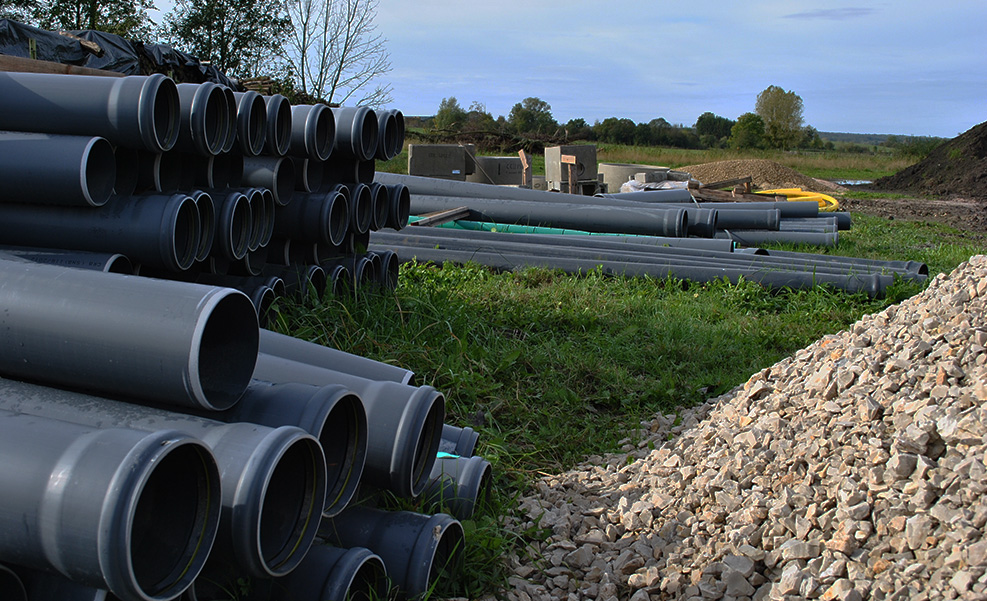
765	175
956	168
854	469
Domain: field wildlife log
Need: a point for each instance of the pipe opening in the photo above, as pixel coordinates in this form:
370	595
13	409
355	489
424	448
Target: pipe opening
369	581
214	118
338	218
127	168
428	441
324	135
229	119
99	172
344	442
368	135
284	181
186	234
339	280
291	513
447	559
255	204
237	219
279	131
119	264
228	350
207	225
362	201
380	206
165	115
174	520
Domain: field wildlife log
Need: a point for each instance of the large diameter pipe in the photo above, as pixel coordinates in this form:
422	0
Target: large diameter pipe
159	172
356	132
127	165
459	485
301	281
278	136
231	119
273	480
303	351
400	209
390	138
389	270
416	548
61	170
650	221
204	118
11	586
161	231
108	262
313	131
333	414
361	207
207	224
163	341
405	422
234	224
128	510
308	174
380	206
330	572
251	122
319	217
277	174
134	111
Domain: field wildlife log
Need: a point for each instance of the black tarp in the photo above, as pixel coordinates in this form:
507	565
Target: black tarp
17	39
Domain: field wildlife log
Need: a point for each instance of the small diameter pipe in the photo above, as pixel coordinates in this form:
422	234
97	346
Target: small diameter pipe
334	573
168	342
135	111
430	186
234	223
676	195
790	208
459	485
204	118
910	267
308	174
277	174
400	210
313	131
356	132
417	549
108	262
273	480
11	587
319	217
405	422
758	237
361	208
160	231
159	172
380	206
278	136
332	414
251	122
389	270
458	441
133	511
303	351
60	170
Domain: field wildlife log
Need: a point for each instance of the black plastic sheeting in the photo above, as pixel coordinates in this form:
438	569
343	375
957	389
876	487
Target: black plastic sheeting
130	57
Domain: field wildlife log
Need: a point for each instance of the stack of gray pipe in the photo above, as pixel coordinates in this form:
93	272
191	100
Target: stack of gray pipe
148	453
195	182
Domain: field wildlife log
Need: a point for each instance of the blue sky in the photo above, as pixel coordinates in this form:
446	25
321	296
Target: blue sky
894	67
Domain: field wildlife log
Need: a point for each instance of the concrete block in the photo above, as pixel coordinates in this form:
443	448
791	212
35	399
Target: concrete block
538	182
446	161
616	174
502	171
557	174
470	156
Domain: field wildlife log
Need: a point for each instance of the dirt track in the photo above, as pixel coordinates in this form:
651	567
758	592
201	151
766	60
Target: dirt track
967	214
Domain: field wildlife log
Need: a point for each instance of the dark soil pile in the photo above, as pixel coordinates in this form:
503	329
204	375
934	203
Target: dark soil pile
956	168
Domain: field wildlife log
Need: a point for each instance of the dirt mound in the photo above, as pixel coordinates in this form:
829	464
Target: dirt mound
956	168
765	174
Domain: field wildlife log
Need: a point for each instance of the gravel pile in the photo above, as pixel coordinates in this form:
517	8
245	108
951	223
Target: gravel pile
854	469
765	175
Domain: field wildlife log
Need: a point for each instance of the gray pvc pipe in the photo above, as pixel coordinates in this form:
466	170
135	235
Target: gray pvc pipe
231	119
233	224
11	587
116	508
913	267
169	342
334	573
615	241
319	217
313	131
389	270
303	351
791	208
670	195
308	174
754	219
338	279
134	111
416	548
127	162
702	222
160	172
400	210
360	268
270	204
251	122
649	221
459	485
258	217
387	136
273	480
211	171
380	206
458	441
300	280
277	139
108	262
277	174
61	170
207	224
356	132
361	207
205	121
341	170
757	237
430	186
161	231
405	422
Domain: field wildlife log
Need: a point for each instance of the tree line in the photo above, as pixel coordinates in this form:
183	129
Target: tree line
314	50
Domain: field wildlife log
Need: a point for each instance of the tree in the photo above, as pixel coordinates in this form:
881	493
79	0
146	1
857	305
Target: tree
237	36
531	116
18	10
782	115
335	51
748	131
450	115
713	127
127	18
478	119
615	131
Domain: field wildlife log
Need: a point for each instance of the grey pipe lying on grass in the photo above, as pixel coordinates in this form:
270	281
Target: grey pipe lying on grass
872	284
338	279
612	241
251	122
913	267
163	341
300	280
334	573
134	511
756	237
108	262
61	170
458	441
303	351
430	186
405	422
417	549
135	111
389	270
273	480
459	485
361	270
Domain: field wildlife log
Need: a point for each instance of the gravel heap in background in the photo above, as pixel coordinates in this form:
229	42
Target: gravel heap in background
765	175
854	469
